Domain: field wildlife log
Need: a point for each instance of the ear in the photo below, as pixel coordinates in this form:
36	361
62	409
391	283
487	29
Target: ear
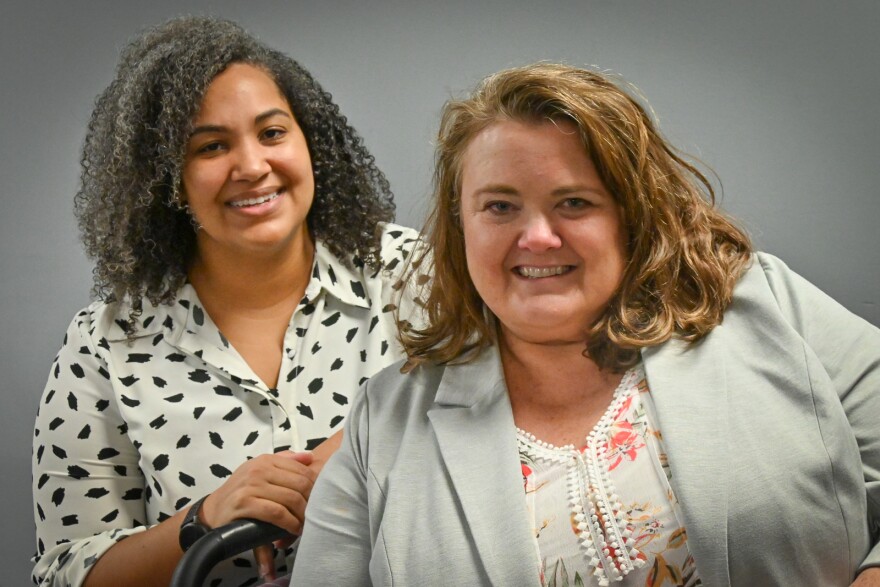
181	202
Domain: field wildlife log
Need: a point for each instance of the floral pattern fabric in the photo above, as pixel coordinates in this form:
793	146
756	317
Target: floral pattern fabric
605	512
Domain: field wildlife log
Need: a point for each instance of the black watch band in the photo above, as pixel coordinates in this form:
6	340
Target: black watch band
192	529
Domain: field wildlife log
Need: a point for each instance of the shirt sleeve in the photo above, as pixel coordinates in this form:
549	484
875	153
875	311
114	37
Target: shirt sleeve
88	489
849	350
335	548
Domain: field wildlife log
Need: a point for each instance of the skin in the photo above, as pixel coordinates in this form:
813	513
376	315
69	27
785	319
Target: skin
533	205
251	269
531	198
868	578
253	261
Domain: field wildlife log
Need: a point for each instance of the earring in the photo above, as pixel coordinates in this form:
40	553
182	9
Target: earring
179	201
192	218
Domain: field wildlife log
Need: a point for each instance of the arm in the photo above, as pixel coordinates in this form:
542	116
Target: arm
88	489
868	578
90	493
849	349
336	545
265	555
149	558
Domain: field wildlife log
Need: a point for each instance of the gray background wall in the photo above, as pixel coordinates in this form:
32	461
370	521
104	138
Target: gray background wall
779	97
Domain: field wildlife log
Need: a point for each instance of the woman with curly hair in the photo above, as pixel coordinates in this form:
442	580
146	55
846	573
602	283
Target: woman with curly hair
612	388
247	280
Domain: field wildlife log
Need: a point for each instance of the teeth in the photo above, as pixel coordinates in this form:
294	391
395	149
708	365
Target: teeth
254	201
538	272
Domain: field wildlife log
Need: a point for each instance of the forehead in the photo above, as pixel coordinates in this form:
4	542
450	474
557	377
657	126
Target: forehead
523	149
242	87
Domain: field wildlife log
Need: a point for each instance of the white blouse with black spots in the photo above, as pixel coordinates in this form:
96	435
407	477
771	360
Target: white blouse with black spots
129	432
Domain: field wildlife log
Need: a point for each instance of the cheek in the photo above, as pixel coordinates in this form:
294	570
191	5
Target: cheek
296	159
613	264
200	182
485	259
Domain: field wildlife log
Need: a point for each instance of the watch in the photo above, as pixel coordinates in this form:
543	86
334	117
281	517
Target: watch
192	528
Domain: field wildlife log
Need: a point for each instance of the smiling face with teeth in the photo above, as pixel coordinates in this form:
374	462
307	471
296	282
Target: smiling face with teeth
544	241
247	177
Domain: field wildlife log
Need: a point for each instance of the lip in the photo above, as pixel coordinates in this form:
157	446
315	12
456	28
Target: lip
536	272
265	202
253	195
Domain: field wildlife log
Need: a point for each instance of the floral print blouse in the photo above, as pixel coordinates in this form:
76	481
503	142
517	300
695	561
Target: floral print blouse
605	512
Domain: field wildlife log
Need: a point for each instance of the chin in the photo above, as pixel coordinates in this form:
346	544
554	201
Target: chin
270	238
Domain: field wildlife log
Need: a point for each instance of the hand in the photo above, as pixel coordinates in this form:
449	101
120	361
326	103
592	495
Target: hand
273	488
265	555
315	460
870	577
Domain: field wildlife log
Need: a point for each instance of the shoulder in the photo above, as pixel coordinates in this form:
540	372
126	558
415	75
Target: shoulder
397	245
774	307
390	398
396	234
105	322
779	277
770	284
770	281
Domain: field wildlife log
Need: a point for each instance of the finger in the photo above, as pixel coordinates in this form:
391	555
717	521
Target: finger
282	480
285	510
284	543
276	504
305	458
296	481
265	557
292	462
281	471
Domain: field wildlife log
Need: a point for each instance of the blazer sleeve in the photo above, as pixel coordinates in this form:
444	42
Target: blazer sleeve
336	545
849	350
88	490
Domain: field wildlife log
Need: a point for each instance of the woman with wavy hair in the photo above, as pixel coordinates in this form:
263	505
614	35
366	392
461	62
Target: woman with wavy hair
612	386
247	279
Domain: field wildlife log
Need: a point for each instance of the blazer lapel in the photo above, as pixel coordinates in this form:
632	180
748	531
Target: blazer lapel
689	389
474	427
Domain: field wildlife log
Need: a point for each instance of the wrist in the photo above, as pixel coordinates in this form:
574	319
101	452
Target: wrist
193	527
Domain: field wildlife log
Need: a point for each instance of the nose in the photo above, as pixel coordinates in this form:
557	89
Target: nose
250	162
539	234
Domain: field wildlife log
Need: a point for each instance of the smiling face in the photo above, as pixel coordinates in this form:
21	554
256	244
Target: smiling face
247	177
543	237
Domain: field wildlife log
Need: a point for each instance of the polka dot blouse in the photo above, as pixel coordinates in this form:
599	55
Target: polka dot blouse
131	431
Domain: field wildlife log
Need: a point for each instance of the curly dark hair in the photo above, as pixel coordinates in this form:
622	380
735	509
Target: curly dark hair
128	205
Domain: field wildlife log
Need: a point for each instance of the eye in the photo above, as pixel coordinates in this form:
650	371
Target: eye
210	148
272	134
575	203
499	207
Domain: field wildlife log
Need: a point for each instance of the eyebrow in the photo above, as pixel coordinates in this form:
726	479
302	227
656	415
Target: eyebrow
497	188
575	189
505	189
209	128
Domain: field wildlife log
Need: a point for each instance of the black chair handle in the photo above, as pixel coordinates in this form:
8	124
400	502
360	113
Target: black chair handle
218	545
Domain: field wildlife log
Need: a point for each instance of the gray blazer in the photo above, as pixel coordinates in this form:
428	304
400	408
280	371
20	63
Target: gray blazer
771	424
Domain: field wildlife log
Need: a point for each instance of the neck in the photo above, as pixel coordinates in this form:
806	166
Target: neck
556	393
552	376
253	281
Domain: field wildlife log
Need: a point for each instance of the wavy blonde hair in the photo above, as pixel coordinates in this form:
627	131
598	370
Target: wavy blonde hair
685	256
